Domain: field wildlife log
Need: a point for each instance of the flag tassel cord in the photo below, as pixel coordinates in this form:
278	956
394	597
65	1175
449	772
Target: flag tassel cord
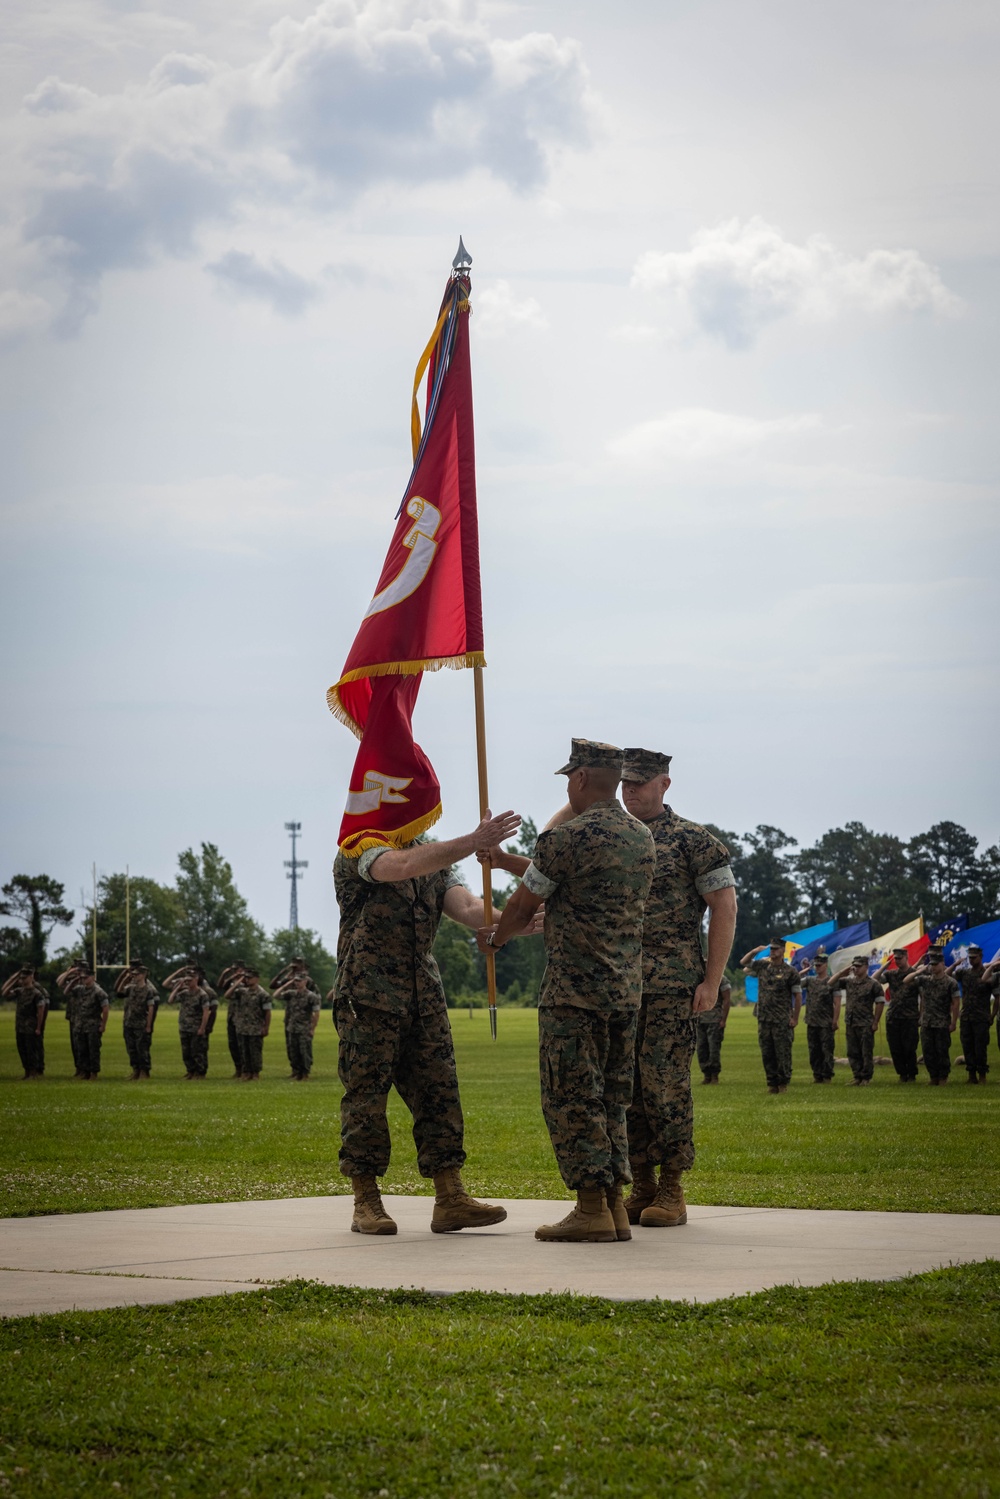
484	801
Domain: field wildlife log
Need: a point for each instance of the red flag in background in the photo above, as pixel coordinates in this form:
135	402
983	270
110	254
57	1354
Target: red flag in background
426	611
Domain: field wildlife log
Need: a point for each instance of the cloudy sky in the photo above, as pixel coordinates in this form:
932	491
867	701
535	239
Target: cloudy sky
734	348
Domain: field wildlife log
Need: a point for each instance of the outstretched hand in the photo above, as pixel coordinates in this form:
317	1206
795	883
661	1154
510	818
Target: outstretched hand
493	831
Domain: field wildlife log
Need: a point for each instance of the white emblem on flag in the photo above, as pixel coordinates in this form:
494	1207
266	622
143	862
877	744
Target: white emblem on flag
378	788
420	542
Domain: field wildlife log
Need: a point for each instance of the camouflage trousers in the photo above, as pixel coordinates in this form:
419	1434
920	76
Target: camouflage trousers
774	1038
902	1036
86	1049
708	1037
935	1041
251	1053
820	1039
233	1042
861	1049
661	1118
586	1061
137	1040
31	1050
413	1052
975	1038
194	1053
299	1046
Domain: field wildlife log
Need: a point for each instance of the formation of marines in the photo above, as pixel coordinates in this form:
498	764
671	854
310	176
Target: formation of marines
249	1006
923	1005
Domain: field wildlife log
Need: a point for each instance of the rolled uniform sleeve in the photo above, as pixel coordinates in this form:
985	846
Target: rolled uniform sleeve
715	879
539	884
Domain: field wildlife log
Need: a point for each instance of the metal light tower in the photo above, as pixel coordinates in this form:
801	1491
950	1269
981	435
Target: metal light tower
293	865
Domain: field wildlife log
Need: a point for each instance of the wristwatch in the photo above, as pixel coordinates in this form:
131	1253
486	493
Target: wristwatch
489	941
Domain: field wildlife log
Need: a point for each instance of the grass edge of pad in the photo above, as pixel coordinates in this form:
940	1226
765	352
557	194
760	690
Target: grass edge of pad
296	1294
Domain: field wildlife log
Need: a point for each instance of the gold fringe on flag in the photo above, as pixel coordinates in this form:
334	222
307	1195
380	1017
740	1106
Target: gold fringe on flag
395	669
354	846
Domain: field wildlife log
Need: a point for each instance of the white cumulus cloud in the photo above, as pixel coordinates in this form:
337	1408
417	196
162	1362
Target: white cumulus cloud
500	312
360	93
737	278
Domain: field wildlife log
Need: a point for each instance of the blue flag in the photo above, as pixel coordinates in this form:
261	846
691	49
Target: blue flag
942	934
987	936
810	933
751	991
847	936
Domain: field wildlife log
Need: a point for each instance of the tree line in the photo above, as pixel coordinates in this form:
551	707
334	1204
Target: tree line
848	874
201	916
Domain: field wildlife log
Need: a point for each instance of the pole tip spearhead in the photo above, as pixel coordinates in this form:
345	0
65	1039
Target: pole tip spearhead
463	259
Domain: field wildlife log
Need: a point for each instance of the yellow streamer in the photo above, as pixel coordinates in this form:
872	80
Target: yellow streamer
422	364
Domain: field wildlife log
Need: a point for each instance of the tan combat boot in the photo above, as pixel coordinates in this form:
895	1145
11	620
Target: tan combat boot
616	1207
643	1190
668	1208
590	1222
370	1217
455	1209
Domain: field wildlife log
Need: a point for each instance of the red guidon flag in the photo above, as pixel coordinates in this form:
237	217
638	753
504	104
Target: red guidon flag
427	611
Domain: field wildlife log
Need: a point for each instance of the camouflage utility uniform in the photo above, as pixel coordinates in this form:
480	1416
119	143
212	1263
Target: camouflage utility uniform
937	995
709	1028
29	996
863	994
190	1019
392	1018
901	1027
818	995
252	1004
974	1020
777	985
690	863
85	1025
301	1004
594	873
139	996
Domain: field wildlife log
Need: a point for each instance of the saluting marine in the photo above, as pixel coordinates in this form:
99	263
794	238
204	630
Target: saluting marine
31	1005
779	1000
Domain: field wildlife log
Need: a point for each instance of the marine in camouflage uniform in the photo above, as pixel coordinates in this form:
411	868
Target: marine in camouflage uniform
779	998
710	1027
226	981
862	1013
64	983
940	997
31	1003
195	1003
979	987
139	1002
252	1021
594	872
822	1001
392	1020
692	873
89	1019
901	1028
302	1006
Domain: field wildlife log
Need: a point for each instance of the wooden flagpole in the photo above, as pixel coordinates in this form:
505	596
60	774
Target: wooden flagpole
484	802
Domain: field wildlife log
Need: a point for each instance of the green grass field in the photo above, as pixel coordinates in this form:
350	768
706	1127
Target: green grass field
323	1393
74	1146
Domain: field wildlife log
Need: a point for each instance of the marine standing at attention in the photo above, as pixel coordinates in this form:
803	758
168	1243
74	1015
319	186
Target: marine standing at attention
939	1002
980	987
822	1001
862	1013
779	999
392	1020
31	1006
593	872
139	1000
901	1029
302	1005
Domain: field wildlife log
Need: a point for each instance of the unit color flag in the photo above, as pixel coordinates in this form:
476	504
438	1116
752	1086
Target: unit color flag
426	611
